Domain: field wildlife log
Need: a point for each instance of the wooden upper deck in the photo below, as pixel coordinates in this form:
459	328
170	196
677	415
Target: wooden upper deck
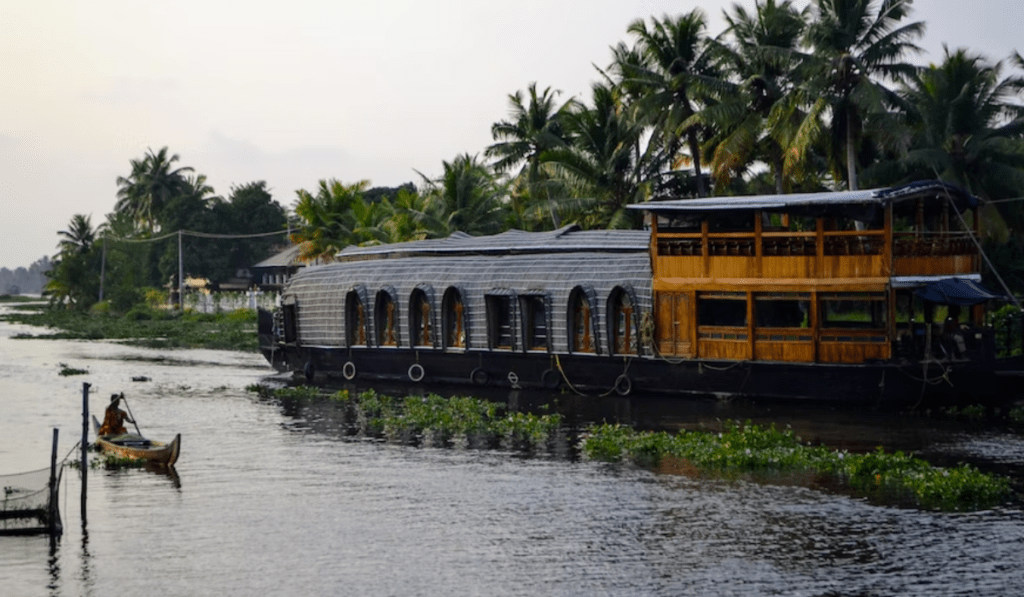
857	240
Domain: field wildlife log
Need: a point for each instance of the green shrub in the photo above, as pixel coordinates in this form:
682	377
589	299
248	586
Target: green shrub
101	309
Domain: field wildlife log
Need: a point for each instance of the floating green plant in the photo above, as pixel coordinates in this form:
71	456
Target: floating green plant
411	418
300	392
971	412
1016	414
108	461
885	477
66	370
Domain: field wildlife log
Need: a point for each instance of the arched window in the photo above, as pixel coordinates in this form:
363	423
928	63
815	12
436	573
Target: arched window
385	315
453	319
355	319
581	321
622	318
421	317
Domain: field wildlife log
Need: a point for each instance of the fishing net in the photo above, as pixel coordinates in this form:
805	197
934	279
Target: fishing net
25	502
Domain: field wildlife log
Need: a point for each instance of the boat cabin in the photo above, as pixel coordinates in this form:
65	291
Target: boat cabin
831	277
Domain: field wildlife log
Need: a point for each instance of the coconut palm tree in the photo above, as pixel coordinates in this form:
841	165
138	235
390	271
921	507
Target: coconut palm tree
603	166
466	197
328	222
854	46
532	128
151	186
970	124
403	225
752	119
669	74
78	238
73	281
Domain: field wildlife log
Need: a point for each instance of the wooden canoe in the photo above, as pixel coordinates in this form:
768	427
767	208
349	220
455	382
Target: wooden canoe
131	445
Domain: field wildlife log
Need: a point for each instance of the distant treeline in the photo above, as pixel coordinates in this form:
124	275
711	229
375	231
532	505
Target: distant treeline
22	280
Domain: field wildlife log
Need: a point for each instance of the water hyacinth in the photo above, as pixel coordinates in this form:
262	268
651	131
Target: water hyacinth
885	477
432	417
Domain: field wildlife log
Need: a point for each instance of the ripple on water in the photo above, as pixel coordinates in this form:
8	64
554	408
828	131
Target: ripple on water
271	498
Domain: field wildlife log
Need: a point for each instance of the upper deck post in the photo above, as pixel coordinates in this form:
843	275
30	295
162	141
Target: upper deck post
887	250
705	251
653	221
819	246
758	248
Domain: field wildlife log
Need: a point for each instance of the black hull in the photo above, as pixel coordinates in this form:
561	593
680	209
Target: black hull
873	383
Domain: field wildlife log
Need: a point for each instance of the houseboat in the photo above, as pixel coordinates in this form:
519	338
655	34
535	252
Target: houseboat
869	295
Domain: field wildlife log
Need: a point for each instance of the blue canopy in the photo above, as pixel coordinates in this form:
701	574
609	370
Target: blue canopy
956	291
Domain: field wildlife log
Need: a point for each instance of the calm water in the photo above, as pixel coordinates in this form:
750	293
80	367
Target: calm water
272	498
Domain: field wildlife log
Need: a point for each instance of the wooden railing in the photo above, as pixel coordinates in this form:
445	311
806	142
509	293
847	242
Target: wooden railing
815	254
917	244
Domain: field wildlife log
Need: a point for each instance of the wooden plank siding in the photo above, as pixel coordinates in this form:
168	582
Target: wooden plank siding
765	260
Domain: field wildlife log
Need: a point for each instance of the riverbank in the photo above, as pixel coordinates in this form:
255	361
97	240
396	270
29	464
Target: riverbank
141	326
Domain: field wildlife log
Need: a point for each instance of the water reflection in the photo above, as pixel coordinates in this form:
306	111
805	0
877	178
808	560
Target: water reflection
284	498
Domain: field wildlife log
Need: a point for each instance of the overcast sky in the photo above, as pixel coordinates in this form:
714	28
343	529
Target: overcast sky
298	91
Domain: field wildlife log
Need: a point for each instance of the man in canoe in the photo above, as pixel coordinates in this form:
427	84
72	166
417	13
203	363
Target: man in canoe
113	420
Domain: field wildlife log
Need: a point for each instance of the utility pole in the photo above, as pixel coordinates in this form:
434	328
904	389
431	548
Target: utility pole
181	277
103	267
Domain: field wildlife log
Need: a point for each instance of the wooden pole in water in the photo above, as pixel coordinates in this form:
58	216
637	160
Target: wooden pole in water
52	517
85	444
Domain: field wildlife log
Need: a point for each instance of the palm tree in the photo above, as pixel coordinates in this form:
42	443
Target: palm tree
604	165
751	120
329	223
73	281
78	238
466	197
670	73
371	221
150	187
532	129
971	124
970	128
854	45
403	225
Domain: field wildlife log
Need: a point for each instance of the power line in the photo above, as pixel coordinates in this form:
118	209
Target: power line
179	234
195	234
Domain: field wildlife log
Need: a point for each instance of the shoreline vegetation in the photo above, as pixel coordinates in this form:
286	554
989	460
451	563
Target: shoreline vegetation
741	451
142	325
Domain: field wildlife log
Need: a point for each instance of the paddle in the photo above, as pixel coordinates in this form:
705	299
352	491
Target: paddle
125	400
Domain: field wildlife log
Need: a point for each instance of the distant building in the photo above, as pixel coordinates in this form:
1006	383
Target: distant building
273	273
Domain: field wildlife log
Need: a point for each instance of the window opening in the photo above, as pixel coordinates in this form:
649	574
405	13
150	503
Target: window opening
624	330
535	322
386	318
454	319
419	313
581	314
355	320
853	311
722	309
782	310
499	314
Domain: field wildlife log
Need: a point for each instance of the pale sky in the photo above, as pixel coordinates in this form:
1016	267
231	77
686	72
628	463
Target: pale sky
298	91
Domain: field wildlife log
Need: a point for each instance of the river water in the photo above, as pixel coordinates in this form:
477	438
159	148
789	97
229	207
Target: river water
275	498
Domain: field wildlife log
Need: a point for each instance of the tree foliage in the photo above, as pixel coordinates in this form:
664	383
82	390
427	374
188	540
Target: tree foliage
790	97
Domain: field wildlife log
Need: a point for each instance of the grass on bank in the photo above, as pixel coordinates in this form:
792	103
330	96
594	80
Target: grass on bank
18	298
890	478
144	326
